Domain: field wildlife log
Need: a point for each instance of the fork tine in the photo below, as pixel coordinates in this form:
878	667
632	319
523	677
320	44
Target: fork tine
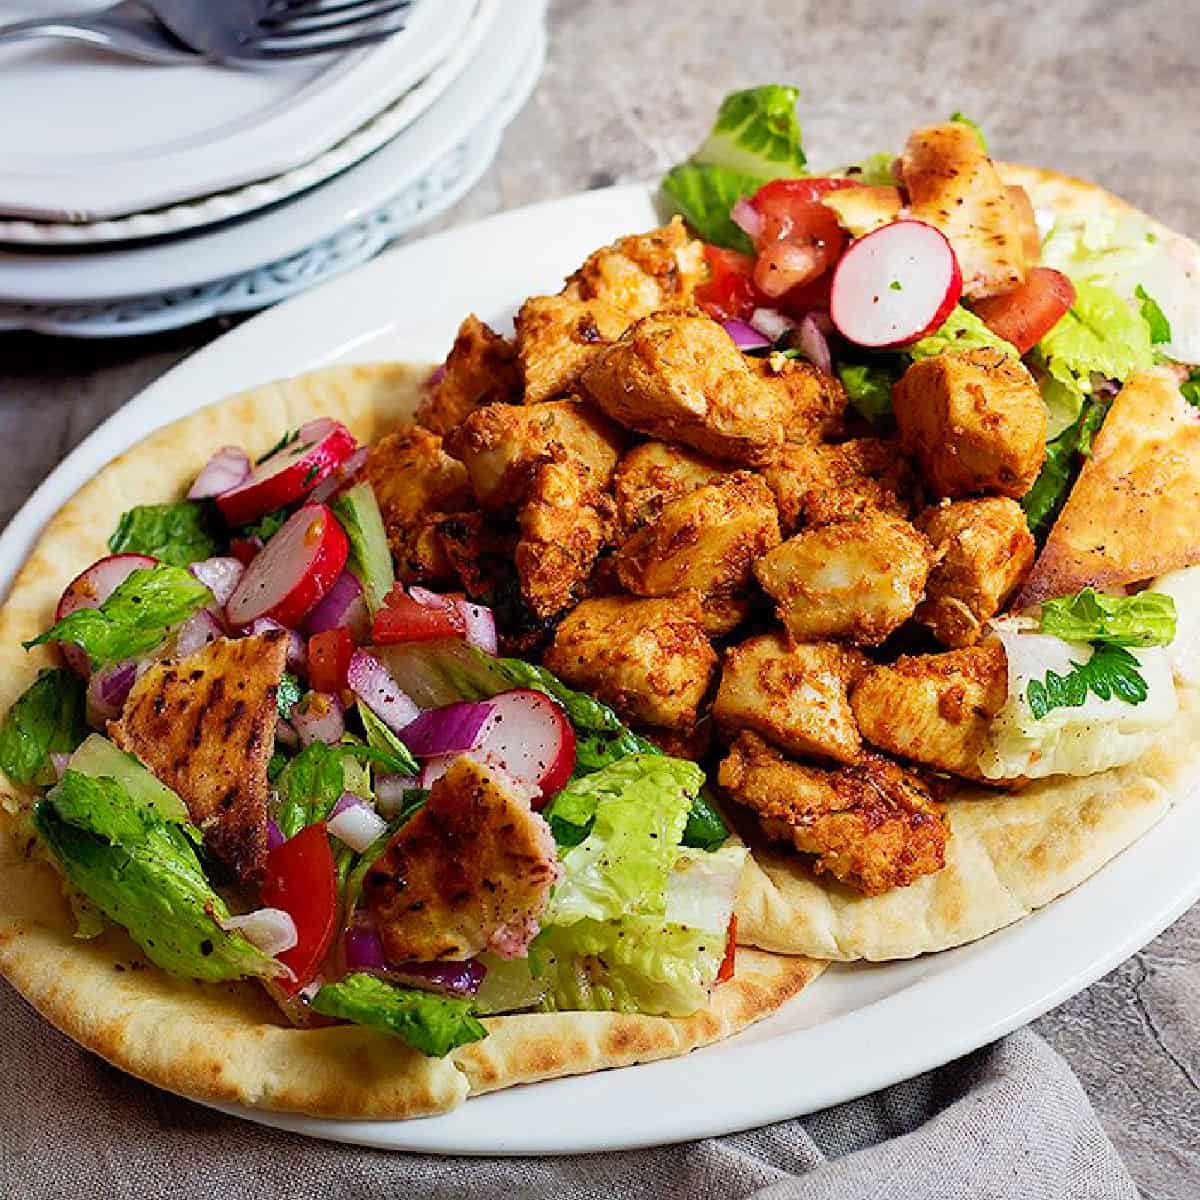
270	50
288	9
346	16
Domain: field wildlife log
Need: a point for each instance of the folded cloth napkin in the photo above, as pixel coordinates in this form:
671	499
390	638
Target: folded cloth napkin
1009	1122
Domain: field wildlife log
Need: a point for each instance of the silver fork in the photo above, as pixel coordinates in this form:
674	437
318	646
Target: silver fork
249	31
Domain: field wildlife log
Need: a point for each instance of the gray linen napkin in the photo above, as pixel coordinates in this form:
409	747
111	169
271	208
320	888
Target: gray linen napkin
1009	1122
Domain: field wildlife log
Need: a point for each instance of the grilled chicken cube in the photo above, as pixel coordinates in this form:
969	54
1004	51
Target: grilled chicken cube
934	709
861	209
480	369
557	336
954	186
796	696
857	579
643	273
564	525
975	421
649	659
654	473
502	446
205	726
984	551
472	871
722	612
817	484
679	376
707	540
416	484
480	553
814	403
873	825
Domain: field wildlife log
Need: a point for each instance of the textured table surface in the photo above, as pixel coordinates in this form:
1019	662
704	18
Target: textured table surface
1100	89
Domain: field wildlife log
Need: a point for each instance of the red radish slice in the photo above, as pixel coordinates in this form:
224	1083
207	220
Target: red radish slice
293	470
291	573
90	589
529	737
895	285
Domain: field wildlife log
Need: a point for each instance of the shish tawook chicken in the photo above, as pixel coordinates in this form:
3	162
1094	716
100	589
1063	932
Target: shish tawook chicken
648	489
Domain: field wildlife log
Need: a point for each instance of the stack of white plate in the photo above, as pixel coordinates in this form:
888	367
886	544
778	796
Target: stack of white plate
136	198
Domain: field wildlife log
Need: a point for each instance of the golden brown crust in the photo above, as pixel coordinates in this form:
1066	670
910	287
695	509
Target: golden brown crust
205	725
654	473
480	369
813	403
557	336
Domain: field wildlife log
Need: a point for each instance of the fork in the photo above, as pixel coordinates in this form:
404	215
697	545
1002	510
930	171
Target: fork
247	31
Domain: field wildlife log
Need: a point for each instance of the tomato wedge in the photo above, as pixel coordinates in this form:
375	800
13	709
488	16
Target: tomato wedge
1026	314
402	619
728	293
725	970
329	659
300	880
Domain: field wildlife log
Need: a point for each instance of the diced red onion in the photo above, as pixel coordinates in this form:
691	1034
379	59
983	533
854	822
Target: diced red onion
771	323
432	769
389	793
364	949
347	800
356	825
274	835
340	478
59	760
227	469
272	930
319	717
747	218
108	689
373	684
451	728
428	599
297	655
198	631
480	623
285	733
343	605
814	344
220	575
745	337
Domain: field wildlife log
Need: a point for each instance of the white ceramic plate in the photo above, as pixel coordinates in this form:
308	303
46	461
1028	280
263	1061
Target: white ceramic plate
854	1030
445	183
96	275
89	135
223	206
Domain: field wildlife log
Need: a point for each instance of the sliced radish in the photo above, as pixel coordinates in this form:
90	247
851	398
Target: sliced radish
90	589
293	571
895	285
529	737
293	470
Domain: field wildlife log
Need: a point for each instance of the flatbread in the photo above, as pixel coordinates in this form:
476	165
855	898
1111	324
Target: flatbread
228	1043
1007	854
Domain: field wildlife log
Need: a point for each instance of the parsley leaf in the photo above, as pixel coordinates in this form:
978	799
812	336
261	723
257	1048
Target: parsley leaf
287	439
288	694
1111	671
1160	327
267	526
1144	619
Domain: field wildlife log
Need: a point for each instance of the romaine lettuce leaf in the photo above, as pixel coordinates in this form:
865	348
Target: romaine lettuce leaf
47	718
98	758
142	873
960	118
381	738
137	617
704	194
876	170
1160	327
308	787
434	1025
173	533
757	132
370	559
1061	465
962	330
702	888
639	810
869	386
1143	619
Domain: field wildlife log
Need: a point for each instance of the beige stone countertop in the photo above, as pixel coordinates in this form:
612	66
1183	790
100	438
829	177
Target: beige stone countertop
1102	89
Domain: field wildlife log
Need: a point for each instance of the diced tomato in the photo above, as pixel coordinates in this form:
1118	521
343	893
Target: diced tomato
728	292
300	879
329	658
1026	314
402	619
725	971
244	549
801	238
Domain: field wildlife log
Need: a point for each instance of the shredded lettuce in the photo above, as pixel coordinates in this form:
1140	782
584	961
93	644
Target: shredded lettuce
172	533
47	718
703	195
137	617
370	559
434	1025
639	808
309	786
381	738
962	330
1143	619
142	872
757	132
